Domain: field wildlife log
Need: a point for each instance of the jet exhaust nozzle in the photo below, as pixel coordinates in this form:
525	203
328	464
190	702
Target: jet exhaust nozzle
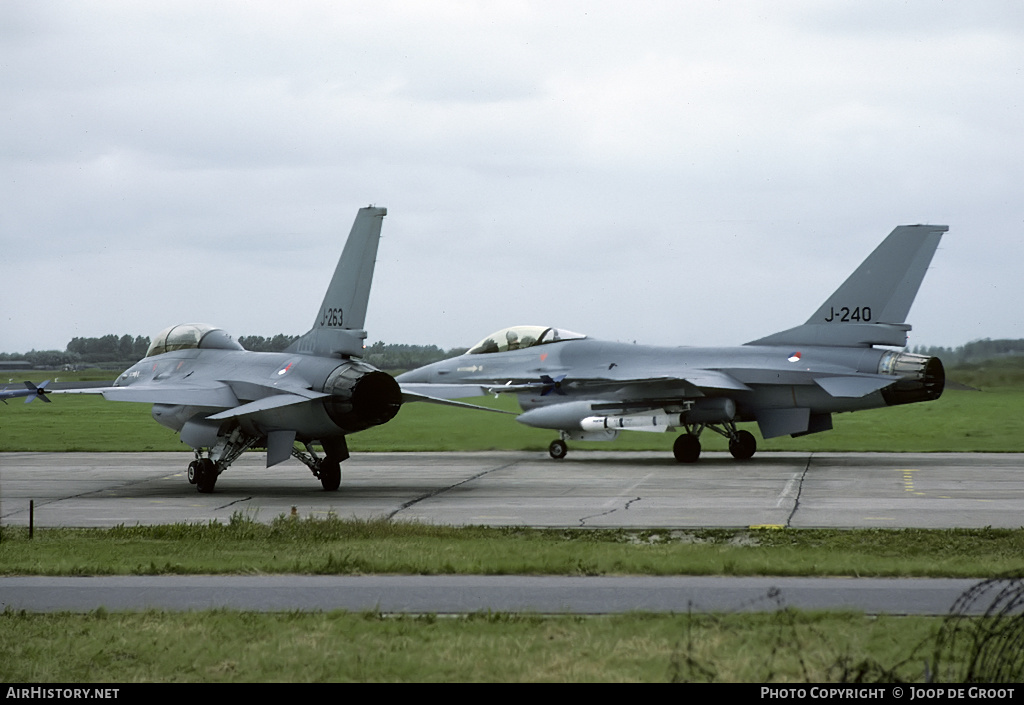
922	378
361	397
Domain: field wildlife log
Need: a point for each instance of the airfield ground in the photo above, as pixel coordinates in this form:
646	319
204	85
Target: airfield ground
781	646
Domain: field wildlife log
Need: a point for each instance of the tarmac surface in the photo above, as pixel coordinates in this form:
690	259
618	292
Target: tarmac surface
455	594
586	489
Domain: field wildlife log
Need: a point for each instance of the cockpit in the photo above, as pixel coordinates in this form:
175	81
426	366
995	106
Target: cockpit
522	337
188	336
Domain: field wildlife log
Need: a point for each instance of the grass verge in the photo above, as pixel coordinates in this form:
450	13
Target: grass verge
222	646
351	547
958	422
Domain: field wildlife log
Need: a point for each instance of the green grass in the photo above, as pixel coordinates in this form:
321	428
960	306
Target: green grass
960	421
231	646
349	547
223	646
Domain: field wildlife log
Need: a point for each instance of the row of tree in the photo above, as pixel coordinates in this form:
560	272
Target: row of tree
975	352
109	348
124	351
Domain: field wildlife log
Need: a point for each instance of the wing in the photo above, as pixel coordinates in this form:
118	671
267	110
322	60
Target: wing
689	384
217	395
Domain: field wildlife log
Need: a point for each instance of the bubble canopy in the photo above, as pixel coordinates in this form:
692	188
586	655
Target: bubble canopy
187	336
521	337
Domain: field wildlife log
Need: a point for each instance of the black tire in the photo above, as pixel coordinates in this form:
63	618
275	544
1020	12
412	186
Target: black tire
686	449
558	449
743	446
330	475
192	468
206	476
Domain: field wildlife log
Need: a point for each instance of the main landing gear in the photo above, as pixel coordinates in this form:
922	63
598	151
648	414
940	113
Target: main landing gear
204	471
686	449
742	444
328	468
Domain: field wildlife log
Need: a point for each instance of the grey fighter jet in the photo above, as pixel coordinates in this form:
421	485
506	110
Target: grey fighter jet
223	399
790	382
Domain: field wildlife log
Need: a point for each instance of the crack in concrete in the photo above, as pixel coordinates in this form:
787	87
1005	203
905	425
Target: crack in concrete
56	500
441	490
585	519
237	501
799	491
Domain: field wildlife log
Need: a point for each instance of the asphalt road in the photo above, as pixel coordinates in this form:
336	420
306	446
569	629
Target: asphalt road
587	489
421	594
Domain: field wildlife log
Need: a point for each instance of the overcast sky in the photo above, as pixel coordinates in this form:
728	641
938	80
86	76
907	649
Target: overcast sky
692	173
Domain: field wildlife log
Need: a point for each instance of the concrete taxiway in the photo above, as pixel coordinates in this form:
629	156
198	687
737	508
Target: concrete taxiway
586	489
434	594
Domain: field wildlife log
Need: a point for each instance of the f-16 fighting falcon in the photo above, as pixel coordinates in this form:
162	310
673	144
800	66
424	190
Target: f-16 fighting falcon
224	399
790	382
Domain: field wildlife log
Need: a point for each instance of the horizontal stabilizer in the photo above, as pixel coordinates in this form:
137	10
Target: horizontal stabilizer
272	402
854	387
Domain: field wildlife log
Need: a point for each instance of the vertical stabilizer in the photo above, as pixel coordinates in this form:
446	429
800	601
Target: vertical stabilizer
338	328
871	306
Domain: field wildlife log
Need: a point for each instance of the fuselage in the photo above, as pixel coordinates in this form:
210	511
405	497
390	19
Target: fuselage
774	377
347	395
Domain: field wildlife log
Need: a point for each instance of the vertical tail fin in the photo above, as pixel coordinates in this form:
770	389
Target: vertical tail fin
871	306
338	328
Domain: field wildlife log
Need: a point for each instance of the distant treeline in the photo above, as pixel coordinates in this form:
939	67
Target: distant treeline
124	351
257	343
396	356
85	352
975	352
384	356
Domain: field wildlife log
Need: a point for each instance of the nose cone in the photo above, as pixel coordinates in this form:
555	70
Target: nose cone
420	375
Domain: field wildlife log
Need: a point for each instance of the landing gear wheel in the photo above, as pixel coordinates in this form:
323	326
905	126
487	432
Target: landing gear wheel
330	475
206	475
686	448
192	468
743	446
558	449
